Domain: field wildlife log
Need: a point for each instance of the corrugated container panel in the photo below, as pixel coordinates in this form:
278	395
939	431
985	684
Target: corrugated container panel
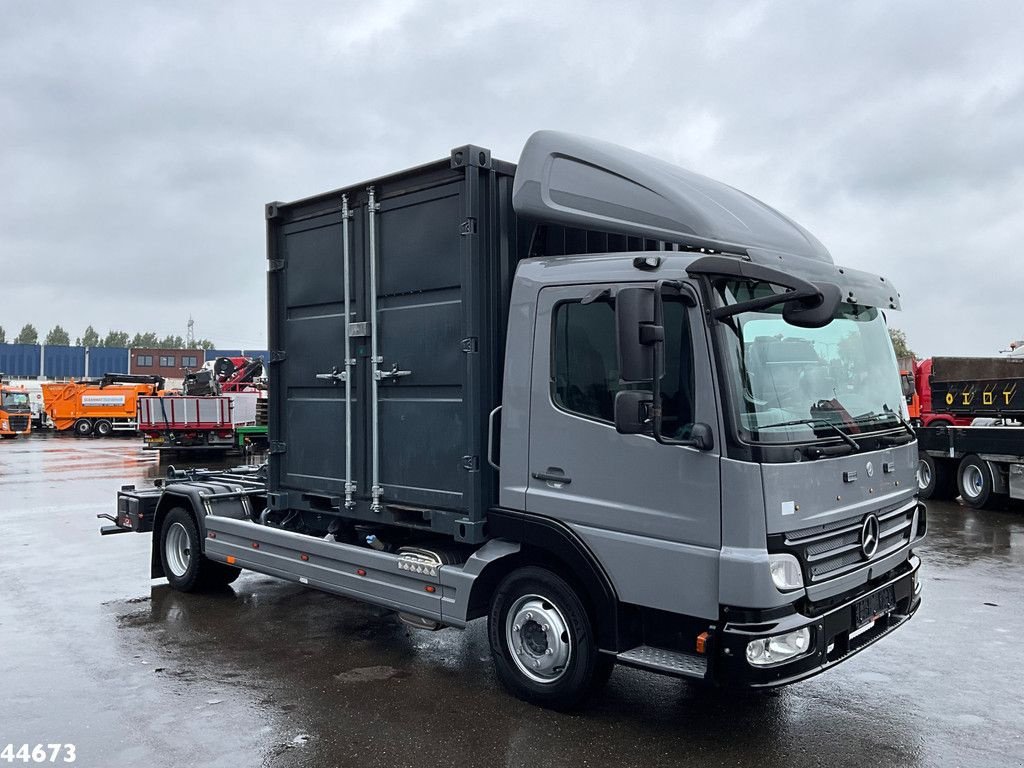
108	360
19	359
64	362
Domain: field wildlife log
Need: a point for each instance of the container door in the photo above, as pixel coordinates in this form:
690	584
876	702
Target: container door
423	317
649	512
309	429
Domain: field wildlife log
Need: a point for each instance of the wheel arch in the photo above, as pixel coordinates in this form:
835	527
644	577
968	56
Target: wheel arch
553	545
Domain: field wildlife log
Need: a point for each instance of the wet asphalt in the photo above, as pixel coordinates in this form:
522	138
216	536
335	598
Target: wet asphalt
93	653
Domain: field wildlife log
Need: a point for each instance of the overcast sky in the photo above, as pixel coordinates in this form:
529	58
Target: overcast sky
139	141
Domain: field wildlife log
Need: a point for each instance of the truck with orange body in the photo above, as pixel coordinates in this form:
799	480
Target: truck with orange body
15	411
98	406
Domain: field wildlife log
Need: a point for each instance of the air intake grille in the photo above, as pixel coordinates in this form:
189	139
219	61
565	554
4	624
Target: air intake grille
831	550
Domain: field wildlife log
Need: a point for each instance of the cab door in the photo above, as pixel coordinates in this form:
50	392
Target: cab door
650	513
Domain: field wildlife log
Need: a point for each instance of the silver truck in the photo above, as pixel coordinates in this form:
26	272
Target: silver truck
627	413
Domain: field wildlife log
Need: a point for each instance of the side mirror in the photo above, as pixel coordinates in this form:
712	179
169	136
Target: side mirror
636	334
907	380
701	437
633	412
817	311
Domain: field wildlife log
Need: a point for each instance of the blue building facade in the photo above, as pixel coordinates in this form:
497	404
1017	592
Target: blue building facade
36	361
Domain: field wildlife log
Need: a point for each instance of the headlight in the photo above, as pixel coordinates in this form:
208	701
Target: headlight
785	570
3	424
775	650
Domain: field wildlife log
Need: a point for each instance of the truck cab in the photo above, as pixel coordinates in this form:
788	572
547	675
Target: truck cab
15	411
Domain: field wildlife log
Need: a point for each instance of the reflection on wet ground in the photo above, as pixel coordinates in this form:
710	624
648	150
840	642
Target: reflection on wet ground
268	673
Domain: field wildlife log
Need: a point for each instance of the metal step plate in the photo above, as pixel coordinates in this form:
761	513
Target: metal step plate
665	661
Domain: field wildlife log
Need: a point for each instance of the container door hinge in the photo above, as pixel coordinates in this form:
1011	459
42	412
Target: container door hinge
469	345
278	446
470	463
468	227
278	356
275	265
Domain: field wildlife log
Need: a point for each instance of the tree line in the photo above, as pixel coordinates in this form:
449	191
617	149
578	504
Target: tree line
58	337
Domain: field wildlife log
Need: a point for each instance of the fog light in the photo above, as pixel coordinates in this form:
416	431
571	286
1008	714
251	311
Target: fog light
785	571
778	649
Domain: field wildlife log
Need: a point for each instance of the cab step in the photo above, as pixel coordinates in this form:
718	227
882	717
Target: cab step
668	662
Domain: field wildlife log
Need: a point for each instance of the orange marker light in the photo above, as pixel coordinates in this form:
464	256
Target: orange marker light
255	545
702	642
304	557
231	559
360	572
212	535
430	588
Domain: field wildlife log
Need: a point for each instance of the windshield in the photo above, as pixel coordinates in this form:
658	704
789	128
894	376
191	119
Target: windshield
15	401
792	384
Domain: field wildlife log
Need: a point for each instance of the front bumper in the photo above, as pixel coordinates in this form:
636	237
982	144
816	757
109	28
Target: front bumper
836	632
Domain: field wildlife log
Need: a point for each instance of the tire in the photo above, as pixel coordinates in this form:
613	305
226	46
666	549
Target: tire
102	428
181	555
83	428
936	478
540	615
976	484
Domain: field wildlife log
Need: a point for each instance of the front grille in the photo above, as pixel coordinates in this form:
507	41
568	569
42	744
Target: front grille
18	423
831	550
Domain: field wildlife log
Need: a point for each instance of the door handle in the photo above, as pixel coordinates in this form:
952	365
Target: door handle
553	475
394	373
334	375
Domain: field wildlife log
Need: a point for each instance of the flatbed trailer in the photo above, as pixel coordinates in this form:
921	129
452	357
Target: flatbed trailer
983	464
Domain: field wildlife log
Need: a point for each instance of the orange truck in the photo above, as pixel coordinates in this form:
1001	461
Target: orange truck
15	411
98	406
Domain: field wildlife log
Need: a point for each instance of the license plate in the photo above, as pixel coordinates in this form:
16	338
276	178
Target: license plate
874	605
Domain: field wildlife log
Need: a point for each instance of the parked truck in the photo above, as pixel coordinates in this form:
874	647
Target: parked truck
216	402
624	412
974	445
98	406
15	410
925	411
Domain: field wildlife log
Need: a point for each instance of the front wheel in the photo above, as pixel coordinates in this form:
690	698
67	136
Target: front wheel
542	640
181	553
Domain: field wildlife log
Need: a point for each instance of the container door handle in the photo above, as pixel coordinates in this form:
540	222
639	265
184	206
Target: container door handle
333	375
394	373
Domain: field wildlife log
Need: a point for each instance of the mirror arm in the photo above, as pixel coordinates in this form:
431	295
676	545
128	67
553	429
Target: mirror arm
765	302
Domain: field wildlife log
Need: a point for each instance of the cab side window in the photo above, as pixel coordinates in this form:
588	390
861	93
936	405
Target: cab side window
585	370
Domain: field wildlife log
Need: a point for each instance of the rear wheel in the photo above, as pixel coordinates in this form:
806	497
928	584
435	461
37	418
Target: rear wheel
936	478
181	553
542	640
976	484
103	428
83	427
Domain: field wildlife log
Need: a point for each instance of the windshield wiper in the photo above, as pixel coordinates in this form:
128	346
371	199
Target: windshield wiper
899	417
810	422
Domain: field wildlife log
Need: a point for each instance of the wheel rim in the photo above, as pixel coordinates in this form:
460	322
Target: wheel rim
538	638
178	549
974	481
924	475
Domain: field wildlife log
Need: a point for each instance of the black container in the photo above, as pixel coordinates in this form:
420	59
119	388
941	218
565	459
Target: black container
446	248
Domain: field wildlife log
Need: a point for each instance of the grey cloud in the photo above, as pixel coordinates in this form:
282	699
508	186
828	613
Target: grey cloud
139	142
